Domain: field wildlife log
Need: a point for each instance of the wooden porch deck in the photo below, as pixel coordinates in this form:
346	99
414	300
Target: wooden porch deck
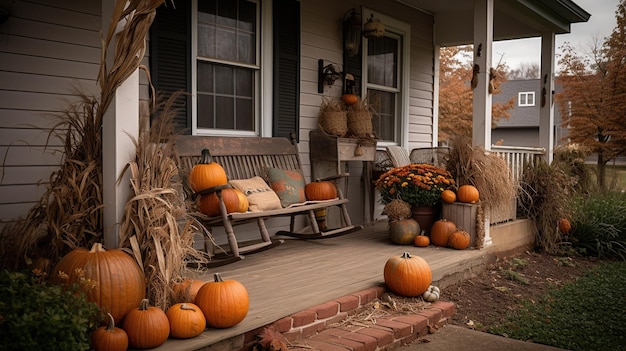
300	274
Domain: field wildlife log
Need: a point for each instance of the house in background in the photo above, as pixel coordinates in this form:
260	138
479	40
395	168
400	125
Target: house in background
522	127
251	68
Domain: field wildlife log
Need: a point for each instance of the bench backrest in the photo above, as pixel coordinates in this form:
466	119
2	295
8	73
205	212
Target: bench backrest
241	157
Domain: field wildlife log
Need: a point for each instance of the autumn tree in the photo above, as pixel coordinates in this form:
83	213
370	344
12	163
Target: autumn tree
455	92
529	70
593	96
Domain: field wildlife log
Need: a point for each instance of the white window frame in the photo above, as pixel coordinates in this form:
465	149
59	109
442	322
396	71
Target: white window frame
403	31
525	95
263	76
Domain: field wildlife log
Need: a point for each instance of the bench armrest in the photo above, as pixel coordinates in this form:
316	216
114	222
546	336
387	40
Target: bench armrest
336	176
209	190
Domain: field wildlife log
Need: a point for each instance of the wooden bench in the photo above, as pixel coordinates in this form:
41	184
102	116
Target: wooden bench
247	157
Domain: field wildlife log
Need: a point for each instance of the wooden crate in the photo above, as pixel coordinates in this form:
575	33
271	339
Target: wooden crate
463	215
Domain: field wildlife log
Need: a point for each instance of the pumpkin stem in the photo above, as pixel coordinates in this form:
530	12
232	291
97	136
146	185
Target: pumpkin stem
143	305
111	325
406	255
97	247
206	157
187	307
217	277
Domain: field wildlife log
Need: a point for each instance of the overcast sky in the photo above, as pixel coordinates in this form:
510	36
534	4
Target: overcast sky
600	25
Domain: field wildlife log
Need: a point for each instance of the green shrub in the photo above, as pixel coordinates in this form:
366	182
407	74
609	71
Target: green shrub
35	315
599	225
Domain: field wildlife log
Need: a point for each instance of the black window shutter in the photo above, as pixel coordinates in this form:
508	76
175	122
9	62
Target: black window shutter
170	50
286	102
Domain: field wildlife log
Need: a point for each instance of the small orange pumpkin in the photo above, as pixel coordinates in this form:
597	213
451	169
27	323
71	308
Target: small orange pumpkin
186	320
349	99
460	240
109	338
224	303
441	231
421	240
404	231
448	196
206	173
320	190
210	204
407	275
146	326
565	226
468	194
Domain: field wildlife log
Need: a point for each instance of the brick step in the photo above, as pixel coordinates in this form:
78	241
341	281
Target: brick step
317	328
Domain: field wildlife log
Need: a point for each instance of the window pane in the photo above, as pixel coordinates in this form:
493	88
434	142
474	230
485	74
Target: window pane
205	77
224	80
206	115
226	42
245	116
224	111
383	121
243	82
206	40
382	61
246	52
531	99
227	13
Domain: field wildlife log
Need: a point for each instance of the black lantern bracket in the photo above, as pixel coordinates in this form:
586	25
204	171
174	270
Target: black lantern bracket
327	74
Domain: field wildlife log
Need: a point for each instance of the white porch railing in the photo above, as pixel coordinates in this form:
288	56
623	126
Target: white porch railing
518	157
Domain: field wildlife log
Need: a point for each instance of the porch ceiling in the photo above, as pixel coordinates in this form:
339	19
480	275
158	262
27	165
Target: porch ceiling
513	19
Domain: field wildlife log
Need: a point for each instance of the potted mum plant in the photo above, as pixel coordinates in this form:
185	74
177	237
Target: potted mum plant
418	184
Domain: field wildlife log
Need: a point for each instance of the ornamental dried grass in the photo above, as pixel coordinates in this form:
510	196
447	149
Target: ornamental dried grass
545	193
156	225
489	173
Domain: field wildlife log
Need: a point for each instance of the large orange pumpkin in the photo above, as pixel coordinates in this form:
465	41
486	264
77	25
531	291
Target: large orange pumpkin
225	303
468	194
407	275
320	190
109	338
206	173
186	320
146	326
210	204
404	231
119	281
441	231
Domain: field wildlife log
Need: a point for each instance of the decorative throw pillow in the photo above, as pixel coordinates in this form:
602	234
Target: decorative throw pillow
260	196
288	185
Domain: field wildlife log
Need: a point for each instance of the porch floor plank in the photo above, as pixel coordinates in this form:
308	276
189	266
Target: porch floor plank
300	274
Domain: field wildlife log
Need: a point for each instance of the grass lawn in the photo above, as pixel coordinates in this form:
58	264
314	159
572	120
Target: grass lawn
588	314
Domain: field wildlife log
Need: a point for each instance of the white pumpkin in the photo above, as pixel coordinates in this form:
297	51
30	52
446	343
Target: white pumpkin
431	294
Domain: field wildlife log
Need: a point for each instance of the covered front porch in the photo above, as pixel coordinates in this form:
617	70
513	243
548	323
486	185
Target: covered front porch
300	274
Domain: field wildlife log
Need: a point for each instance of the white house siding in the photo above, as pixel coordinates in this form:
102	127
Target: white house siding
322	39
49	50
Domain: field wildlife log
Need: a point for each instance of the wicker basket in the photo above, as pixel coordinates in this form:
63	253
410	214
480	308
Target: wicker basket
360	123
334	123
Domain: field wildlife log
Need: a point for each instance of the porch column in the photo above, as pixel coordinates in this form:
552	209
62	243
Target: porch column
483	40
120	124
546	99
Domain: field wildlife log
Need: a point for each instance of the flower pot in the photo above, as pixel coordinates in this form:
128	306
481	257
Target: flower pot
425	216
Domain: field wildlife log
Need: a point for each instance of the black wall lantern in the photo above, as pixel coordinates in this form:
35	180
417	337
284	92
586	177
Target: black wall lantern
351	33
